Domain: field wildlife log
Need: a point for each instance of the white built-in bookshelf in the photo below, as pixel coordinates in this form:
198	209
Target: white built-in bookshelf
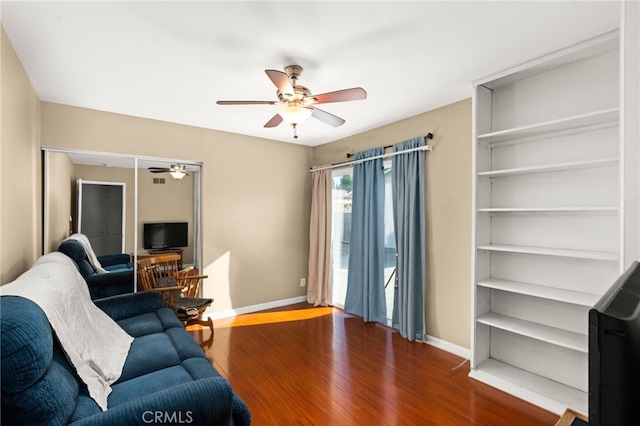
547	218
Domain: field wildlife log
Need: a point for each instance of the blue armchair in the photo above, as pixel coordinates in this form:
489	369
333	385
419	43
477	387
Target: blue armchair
118	278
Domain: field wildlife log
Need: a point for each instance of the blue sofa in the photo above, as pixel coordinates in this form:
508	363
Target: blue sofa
118	279
166	376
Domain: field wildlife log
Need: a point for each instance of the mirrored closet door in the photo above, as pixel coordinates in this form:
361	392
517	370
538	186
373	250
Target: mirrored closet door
153	191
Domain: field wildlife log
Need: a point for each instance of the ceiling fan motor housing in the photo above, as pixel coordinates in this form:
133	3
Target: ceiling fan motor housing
293	71
301	95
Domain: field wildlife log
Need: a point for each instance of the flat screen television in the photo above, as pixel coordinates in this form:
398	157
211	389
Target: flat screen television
614	353
165	235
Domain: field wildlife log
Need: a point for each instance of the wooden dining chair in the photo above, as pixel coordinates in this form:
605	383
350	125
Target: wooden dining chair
180	288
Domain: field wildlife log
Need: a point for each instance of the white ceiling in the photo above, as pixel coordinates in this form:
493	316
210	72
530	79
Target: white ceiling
172	61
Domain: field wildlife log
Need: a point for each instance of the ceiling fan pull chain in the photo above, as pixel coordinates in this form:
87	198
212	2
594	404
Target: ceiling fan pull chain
295	130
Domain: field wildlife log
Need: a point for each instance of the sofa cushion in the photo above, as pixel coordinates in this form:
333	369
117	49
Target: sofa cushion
184	343
153	322
120	267
115	261
166	344
199	368
85	407
149	353
154	381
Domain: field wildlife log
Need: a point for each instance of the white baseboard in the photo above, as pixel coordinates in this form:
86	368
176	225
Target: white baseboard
448	347
434	341
253	308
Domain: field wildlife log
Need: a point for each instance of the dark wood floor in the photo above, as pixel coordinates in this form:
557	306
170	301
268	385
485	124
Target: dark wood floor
301	365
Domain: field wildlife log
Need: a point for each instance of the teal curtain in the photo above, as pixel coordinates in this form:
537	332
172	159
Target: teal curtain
407	182
365	279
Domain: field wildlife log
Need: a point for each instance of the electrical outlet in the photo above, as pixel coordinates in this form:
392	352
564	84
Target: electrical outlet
303	282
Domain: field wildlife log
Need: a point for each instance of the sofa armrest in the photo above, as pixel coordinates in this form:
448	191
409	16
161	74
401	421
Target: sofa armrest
111	283
114	259
206	401
125	306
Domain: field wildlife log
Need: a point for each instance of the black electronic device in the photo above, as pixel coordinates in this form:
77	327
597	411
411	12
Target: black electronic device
165	235
614	353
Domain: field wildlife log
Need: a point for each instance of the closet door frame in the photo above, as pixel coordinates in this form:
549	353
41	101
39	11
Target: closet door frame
79	198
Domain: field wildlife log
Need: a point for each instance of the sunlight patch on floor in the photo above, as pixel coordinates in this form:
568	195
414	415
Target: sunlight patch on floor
273	317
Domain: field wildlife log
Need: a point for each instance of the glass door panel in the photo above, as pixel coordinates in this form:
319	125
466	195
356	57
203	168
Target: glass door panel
341	225
342	197
389	242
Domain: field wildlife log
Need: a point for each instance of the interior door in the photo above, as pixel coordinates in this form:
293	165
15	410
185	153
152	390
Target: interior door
101	215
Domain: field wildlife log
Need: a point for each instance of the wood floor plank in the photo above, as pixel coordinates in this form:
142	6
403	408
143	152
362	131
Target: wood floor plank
302	365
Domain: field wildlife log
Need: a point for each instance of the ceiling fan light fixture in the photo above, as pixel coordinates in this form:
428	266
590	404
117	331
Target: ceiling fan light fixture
177	174
294	114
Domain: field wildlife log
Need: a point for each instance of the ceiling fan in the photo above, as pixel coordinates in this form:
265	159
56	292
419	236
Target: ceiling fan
177	171
297	102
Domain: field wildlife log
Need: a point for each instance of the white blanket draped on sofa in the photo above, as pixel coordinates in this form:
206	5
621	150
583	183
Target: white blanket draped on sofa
91	255
54	284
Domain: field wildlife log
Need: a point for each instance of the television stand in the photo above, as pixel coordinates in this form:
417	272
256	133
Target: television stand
153	252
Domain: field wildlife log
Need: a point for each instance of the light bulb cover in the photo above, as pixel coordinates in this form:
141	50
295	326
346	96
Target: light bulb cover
179	174
293	114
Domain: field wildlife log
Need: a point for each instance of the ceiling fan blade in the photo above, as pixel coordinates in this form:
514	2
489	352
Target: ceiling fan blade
326	117
274	122
282	81
247	102
353	94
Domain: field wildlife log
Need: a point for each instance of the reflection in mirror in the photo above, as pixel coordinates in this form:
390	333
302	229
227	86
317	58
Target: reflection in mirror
59	184
166	194
160	197
74	177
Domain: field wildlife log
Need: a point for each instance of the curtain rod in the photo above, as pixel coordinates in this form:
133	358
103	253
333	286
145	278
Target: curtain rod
390	154
427	136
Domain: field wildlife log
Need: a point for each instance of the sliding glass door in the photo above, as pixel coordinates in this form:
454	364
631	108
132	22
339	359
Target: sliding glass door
342	196
341	226
389	243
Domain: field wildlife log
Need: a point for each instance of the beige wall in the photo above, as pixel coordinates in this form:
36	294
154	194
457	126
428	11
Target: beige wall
255	196
448	209
20	167
60	186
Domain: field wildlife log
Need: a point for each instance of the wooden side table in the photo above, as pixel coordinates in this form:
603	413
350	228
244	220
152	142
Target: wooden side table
152	253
